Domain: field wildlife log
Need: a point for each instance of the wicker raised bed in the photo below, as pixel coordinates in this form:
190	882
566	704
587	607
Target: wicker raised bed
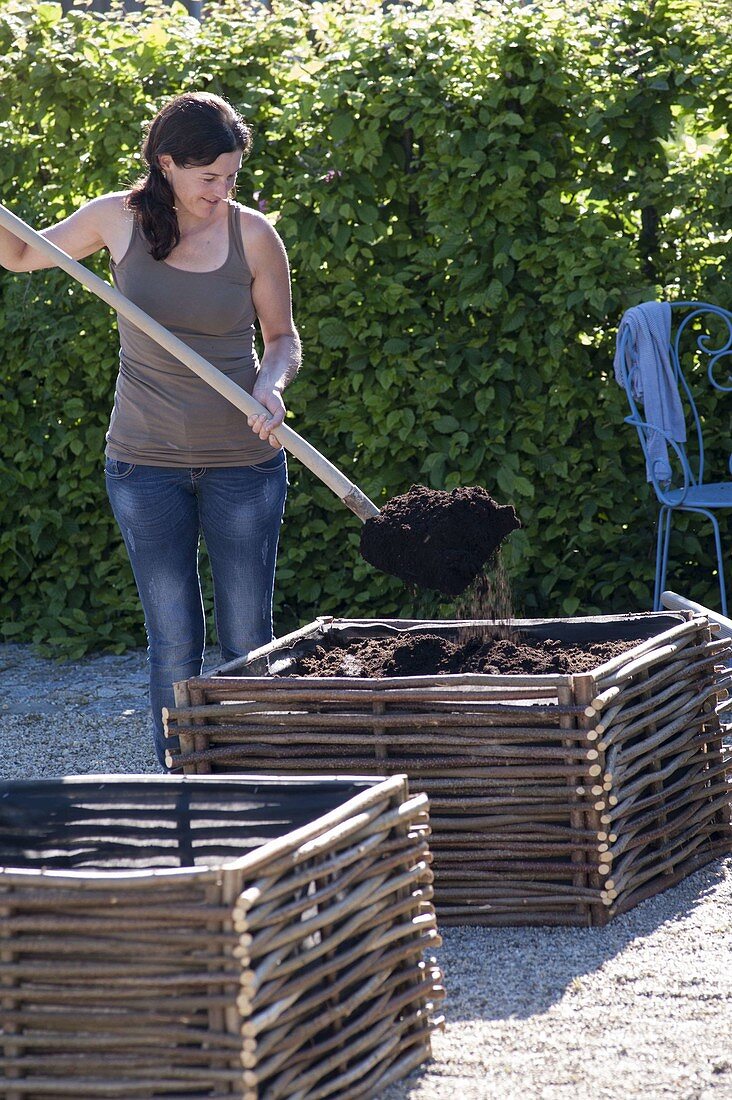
561	799
213	937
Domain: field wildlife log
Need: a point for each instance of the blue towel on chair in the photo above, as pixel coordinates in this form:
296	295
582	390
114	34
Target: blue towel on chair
652	380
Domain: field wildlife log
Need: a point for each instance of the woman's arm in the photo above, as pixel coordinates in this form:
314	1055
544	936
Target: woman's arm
95	225
267	261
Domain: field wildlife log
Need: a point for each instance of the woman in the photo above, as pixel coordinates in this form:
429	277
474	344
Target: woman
180	460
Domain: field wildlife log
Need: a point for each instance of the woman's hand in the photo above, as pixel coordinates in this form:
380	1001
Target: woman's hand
262	425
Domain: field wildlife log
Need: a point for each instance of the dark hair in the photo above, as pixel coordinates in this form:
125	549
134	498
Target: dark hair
194	129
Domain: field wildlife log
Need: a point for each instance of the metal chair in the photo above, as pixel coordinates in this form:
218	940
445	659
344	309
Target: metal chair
702	334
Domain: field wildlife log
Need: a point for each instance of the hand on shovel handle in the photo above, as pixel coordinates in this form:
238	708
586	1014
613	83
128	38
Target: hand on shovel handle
265	424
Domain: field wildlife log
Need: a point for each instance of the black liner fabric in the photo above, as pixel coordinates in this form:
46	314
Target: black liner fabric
173	823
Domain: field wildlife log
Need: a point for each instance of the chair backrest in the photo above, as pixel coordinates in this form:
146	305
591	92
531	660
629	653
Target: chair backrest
700	351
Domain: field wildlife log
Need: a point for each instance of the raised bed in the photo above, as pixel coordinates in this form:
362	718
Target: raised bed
213	937
555	799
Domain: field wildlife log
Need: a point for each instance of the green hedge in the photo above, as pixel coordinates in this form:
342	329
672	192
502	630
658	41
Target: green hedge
469	198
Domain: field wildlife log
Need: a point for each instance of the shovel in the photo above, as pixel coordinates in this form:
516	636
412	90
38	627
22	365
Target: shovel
394	544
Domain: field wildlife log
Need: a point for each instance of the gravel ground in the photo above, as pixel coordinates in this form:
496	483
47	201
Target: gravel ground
642	1008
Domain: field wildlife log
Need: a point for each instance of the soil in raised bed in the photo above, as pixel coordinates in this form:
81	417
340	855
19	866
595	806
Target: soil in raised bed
436	539
425	654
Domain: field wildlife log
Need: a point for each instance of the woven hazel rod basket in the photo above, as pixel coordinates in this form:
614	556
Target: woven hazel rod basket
525	754
240	937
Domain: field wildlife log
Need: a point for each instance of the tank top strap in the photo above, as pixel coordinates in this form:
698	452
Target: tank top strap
136	244
236	237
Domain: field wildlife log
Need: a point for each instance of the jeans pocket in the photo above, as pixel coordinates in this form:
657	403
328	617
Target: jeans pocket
272	465
117	469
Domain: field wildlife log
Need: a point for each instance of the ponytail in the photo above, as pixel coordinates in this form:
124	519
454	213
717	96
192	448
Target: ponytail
151	200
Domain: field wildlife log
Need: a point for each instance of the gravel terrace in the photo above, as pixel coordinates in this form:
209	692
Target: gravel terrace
642	1008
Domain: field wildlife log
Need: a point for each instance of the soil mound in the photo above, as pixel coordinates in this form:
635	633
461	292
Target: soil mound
427	654
436	539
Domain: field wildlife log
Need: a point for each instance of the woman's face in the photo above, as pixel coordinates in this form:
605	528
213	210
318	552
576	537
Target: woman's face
201	190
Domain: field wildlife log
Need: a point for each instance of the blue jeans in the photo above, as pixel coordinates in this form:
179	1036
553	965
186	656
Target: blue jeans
161	512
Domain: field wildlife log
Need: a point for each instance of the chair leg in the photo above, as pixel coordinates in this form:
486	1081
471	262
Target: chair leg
662	544
664	531
720	563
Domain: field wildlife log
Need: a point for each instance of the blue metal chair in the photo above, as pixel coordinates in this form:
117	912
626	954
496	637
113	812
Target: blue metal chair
702	334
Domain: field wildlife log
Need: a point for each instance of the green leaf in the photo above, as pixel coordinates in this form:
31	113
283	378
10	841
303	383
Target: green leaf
446	424
341	126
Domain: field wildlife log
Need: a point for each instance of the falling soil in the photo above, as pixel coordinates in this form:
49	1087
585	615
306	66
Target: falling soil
436	539
489	597
427	654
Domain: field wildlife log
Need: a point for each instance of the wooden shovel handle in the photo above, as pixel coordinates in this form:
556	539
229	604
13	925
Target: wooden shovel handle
329	474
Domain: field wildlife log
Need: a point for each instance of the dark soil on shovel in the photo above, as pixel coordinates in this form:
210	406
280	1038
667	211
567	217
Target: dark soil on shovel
437	539
428	654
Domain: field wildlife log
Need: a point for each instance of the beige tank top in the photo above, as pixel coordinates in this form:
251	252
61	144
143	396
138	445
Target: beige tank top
164	414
